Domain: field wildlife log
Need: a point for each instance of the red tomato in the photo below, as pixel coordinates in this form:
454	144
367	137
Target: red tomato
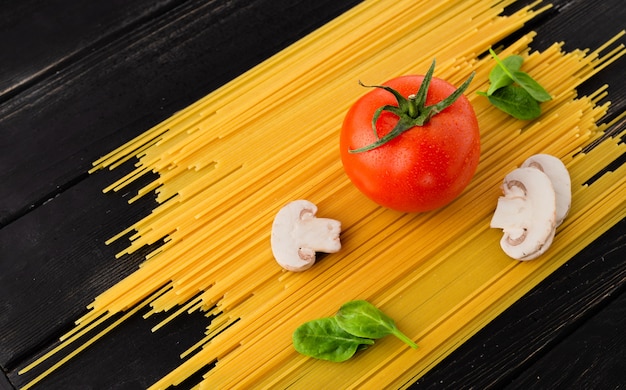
423	168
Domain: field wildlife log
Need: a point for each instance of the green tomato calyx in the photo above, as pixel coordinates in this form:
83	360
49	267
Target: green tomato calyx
411	111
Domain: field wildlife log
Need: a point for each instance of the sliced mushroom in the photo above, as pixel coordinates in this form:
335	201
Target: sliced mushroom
526	213
559	176
297	234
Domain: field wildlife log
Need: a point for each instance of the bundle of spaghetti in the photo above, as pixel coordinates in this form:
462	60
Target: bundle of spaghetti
227	163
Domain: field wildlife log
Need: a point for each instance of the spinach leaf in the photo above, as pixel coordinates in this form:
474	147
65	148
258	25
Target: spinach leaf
531	86
524	80
515	101
499	78
352	329
513	91
325	339
363	319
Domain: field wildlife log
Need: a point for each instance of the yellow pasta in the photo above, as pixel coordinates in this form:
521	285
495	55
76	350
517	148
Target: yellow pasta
228	162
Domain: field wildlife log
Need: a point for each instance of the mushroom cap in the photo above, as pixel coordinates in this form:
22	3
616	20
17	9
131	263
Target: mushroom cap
297	234
559	176
526	213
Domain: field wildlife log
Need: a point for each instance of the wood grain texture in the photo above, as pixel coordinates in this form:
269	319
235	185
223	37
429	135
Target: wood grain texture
85	78
597	358
41	37
54	260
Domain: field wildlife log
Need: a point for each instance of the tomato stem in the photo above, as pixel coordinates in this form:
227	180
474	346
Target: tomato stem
411	111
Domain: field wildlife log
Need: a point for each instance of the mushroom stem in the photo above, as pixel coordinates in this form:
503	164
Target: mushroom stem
297	234
526	213
506	217
318	234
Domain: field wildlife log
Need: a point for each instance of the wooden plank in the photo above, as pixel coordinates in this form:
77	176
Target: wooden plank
54	260
54	130
597	358
41	37
542	320
586	25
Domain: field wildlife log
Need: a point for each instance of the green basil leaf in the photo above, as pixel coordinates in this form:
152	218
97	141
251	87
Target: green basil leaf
499	78
516	101
325	339
363	319
531	86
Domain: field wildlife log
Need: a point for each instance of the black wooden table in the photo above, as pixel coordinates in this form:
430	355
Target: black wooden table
78	79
